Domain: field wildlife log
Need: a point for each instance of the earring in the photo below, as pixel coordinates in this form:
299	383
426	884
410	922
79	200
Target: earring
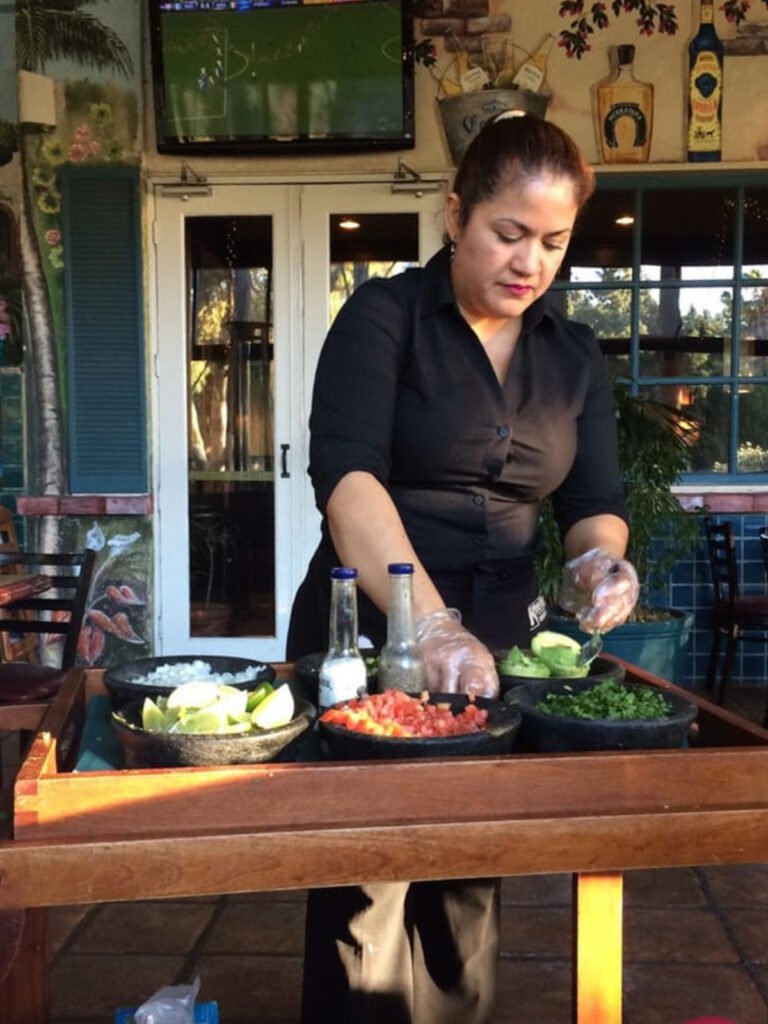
453	247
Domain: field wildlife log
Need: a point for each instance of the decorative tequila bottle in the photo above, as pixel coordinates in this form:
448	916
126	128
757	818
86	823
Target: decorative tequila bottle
624	113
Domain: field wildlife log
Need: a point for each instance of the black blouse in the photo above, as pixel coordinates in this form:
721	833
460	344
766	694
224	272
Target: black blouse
405	391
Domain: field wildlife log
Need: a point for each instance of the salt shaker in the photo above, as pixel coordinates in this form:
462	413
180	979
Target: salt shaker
401	664
342	671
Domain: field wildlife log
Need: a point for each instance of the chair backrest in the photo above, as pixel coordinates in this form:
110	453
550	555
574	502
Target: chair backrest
722	560
58	611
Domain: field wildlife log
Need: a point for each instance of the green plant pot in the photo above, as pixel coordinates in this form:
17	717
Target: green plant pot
658	647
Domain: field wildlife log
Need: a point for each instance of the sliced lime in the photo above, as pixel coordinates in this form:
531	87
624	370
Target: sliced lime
197	694
276	709
152	717
255	697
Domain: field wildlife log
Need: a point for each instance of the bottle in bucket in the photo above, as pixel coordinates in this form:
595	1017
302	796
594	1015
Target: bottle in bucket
342	672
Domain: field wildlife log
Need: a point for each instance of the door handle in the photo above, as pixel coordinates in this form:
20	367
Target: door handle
284	449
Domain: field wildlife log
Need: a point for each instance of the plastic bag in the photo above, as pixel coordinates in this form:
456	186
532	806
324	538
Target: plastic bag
174	1004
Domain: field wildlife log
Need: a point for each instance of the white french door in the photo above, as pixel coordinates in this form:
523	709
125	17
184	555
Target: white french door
247	281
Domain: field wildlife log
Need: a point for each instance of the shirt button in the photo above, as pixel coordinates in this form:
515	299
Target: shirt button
478	499
503	432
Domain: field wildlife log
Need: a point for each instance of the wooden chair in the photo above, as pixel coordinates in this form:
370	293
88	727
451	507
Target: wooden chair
736	616
25	623
8	539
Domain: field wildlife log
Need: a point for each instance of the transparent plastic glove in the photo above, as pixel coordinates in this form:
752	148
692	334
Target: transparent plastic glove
174	1004
456	660
599	589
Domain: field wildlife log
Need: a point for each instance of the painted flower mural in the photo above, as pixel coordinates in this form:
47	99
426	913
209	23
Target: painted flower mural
116	613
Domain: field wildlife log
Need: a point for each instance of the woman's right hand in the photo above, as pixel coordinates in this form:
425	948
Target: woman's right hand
457	662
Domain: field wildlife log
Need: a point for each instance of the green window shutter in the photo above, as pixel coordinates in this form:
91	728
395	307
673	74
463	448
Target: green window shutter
101	229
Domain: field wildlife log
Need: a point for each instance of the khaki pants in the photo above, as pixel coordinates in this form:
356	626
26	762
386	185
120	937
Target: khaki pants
402	953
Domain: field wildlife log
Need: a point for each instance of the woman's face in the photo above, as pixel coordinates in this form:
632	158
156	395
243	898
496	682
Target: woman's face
509	251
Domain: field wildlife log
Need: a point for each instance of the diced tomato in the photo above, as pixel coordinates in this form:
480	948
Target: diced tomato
394	713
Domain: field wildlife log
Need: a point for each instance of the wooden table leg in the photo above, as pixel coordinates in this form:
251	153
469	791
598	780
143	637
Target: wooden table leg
597	940
24	992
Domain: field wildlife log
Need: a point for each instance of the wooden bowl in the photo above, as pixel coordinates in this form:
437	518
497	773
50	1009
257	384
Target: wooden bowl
144	749
120	680
343	744
547	733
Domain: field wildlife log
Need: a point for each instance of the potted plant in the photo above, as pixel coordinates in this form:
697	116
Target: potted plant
653	453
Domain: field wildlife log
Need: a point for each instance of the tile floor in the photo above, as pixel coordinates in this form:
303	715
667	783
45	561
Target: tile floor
696	943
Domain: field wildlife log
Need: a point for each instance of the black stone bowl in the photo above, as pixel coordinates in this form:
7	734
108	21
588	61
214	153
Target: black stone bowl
342	744
600	670
122	687
306	671
144	749
548	733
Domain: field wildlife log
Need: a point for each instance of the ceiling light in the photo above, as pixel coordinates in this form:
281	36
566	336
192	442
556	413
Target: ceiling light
625	220
349	223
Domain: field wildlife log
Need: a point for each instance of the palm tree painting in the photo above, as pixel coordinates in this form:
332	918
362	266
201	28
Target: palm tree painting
47	31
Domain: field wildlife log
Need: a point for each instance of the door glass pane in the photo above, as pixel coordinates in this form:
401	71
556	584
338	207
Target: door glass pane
608	312
689	232
685	332
756	232
367	245
708	406
753	429
602	238
231	444
754	332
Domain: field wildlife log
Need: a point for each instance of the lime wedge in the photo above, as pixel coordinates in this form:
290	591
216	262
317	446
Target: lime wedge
231	700
152	717
256	696
277	708
205	720
197	694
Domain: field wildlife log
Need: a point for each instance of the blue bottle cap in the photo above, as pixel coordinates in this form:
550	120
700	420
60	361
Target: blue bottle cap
400	568
343	572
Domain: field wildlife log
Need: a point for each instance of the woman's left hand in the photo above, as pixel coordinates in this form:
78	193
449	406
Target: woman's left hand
600	589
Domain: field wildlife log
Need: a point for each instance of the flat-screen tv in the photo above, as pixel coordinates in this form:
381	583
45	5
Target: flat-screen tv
272	76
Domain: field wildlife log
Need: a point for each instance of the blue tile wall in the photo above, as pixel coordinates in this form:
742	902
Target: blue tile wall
690	589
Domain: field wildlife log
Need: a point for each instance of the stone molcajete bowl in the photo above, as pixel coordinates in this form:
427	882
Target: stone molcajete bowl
144	749
552	733
343	744
600	669
120	680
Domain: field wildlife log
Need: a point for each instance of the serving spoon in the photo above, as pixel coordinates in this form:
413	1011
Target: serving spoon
590	650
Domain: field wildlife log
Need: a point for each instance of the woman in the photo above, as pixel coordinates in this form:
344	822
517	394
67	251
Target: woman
448	402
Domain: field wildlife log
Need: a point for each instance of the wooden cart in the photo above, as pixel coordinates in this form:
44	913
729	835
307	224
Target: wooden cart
129	835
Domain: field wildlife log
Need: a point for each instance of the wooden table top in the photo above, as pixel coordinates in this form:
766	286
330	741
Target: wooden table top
153	833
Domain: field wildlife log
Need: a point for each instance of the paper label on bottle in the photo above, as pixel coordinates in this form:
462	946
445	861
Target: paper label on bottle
341	679
635	115
705	90
474	79
530	76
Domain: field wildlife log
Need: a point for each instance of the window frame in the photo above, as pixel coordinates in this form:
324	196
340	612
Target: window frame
642	182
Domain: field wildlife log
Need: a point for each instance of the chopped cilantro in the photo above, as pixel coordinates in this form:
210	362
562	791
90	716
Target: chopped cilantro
609	699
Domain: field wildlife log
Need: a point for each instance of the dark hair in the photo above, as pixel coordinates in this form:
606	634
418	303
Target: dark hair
512	150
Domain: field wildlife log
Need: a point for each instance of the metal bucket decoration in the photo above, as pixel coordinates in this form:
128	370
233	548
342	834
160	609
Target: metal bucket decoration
465	114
